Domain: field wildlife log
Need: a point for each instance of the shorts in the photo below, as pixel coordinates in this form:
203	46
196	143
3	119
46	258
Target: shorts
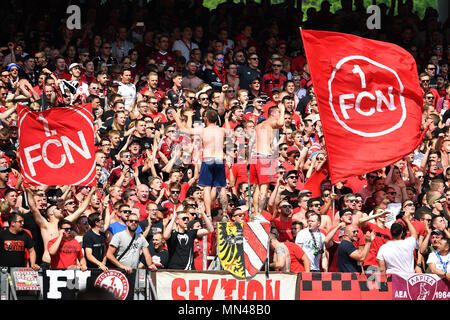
263	169
212	173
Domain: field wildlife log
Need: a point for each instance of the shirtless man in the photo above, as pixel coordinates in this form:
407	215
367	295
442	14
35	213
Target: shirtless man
212	171
49	226
264	162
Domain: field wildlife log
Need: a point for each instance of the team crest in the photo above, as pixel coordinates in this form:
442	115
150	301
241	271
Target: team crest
421	287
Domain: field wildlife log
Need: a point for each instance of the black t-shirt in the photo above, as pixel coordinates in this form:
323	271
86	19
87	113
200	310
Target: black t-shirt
157	226
181	250
160	258
345	263
12	248
246	76
97	243
292	197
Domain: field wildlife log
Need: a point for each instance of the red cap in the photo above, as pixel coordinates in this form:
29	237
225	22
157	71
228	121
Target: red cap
292	149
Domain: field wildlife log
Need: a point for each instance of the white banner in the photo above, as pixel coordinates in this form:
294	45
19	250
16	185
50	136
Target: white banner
195	285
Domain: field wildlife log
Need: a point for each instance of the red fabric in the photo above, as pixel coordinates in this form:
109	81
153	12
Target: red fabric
381	237
369	74
68	253
313	182
57	146
284	228
296	253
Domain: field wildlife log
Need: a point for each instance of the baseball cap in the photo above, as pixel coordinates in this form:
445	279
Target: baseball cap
304	191
205	89
73	65
5	169
292	149
437	232
343	211
288	173
12	65
276	90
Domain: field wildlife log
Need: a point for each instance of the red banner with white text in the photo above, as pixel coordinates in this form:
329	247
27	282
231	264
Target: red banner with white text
57	146
369	101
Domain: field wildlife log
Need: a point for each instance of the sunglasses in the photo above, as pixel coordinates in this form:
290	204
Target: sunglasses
185	219
126	211
67	229
133	221
316	205
285	206
203	99
254	58
293	177
175	191
128	156
277	65
70	203
220	59
392	193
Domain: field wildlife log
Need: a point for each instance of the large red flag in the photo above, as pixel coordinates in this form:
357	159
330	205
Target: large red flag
369	100
56	146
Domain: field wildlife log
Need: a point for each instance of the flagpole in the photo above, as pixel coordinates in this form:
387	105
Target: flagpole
332	190
248	183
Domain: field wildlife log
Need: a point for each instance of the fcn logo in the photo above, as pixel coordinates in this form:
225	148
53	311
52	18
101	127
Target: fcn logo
57	146
365	97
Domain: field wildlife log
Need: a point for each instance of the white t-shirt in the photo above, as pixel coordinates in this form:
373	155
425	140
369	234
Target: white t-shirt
128	91
433	258
398	255
185	49
305	240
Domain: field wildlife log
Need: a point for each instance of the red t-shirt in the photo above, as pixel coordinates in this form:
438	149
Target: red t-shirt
284	228
142	212
418	225
381	237
171	207
68	253
295	253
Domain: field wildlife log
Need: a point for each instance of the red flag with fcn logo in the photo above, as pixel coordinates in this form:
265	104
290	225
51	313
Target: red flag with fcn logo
369	101
56	146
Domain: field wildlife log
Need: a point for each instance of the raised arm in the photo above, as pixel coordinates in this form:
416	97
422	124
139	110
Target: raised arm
209	226
37	216
83	206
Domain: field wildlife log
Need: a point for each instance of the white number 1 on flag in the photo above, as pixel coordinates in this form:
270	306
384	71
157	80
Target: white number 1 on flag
357	69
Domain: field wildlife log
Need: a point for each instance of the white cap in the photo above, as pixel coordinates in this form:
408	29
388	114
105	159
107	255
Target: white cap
73	65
